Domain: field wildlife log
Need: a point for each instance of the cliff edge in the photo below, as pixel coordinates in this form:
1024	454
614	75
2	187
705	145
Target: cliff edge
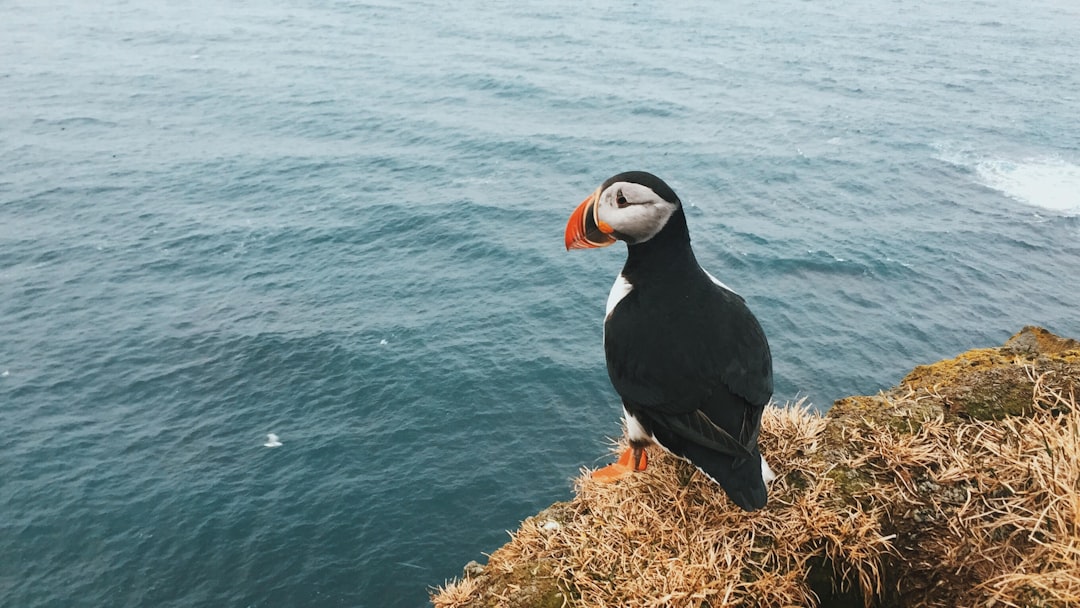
958	487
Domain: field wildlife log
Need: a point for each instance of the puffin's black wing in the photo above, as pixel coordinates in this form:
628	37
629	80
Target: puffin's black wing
686	344
692	365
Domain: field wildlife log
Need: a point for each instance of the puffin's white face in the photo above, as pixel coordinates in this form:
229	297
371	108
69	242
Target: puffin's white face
633	211
624	210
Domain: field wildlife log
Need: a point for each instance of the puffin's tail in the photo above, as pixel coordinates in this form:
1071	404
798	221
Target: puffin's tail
741	478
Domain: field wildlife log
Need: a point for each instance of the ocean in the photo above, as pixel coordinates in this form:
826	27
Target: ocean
342	223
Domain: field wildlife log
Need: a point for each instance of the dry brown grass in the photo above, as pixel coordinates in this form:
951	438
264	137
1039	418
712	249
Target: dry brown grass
456	594
997	502
899	504
669	537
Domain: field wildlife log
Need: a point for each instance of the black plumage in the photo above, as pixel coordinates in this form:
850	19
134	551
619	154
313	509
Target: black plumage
689	359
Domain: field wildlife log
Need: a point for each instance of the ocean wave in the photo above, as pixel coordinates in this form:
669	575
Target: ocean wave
1048	183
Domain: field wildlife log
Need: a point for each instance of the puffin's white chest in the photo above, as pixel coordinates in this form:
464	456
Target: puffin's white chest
619	290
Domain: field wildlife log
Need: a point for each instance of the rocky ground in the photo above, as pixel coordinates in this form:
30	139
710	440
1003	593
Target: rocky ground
958	487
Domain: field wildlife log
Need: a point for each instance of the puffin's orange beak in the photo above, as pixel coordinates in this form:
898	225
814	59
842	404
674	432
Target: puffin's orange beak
584	231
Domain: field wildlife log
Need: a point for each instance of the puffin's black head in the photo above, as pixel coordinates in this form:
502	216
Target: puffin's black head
632	207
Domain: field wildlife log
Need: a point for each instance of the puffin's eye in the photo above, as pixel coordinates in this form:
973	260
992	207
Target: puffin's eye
620	200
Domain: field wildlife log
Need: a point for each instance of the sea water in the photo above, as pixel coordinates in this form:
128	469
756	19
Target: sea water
342	223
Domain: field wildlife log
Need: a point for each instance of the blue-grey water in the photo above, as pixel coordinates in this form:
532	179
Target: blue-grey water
342	223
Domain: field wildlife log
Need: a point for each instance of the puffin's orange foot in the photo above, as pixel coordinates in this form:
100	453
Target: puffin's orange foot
627	464
612	472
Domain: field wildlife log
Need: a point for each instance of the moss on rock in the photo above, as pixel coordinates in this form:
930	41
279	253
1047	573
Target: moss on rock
992	383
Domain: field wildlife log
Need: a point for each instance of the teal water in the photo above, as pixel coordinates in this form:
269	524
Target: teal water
342	223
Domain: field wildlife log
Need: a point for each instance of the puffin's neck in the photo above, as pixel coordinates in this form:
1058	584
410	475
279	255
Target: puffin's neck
668	252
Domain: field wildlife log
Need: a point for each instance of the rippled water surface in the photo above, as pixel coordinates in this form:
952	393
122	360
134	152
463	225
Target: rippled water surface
342	223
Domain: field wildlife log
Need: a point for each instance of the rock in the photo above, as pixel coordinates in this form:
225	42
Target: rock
957	487
1037	341
473	569
990	383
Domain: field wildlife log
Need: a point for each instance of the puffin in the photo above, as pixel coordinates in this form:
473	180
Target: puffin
685	354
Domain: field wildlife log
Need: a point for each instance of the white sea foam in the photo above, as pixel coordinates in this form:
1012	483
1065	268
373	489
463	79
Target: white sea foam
1047	183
